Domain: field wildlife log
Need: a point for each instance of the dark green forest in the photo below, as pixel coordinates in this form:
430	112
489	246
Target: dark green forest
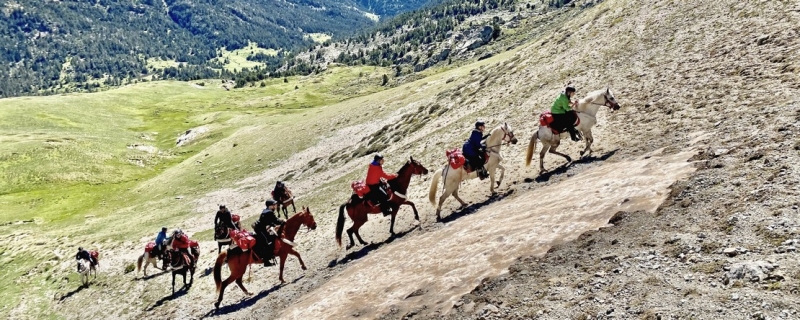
53	46
430	24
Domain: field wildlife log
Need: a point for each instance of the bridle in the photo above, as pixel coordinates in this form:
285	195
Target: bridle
506	134
607	104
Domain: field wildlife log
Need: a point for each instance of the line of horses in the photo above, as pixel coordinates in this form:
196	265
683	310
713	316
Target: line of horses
358	211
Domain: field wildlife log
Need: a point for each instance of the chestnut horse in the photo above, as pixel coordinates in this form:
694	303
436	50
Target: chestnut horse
239	260
284	201
358	210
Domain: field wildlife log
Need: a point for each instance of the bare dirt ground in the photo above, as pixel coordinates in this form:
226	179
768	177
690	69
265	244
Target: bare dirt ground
718	77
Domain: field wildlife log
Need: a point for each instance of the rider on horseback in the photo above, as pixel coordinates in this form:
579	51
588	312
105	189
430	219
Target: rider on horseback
268	218
279	192
180	242
224	217
564	117
159	249
377	194
474	150
85	255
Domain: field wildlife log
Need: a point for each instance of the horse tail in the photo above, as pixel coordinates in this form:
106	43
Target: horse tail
139	262
531	148
434	186
218	268
340	225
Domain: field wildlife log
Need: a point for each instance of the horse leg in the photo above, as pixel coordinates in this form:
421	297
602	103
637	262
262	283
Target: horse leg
173	282
241	285
589	140
545	147
293	208
413	207
354	229
285	212
296	254
442	198
455	195
283	263
553	151
502	173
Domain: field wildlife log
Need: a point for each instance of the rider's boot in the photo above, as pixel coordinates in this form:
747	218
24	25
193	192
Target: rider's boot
573	133
482	174
386	208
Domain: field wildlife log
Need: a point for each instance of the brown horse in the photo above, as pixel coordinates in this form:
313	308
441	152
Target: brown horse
239	260
284	200
359	209
180	266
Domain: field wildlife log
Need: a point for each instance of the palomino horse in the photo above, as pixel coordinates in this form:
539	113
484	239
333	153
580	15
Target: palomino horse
284	201
149	258
238	260
359	209
180	266
453	177
587	110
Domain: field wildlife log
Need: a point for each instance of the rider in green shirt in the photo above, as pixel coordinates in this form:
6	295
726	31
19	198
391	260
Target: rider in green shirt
563	116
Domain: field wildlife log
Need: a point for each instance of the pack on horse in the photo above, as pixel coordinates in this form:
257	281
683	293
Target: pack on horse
151	256
284	197
238	260
586	110
358	209
87	262
453	176
183	257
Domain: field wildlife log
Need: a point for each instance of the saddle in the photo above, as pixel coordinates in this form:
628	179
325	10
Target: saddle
546	119
150	246
243	239
94	255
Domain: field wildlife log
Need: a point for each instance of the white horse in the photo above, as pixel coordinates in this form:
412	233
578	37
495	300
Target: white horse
84	269
587	110
453	177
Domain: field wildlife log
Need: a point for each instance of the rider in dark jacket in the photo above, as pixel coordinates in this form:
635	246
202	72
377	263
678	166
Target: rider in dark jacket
267	219
224	217
85	255
474	149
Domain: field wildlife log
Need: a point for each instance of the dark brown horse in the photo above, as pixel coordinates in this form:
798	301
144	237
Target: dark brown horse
359	209
284	200
179	265
239	260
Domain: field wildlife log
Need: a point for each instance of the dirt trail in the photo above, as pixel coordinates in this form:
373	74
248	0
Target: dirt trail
425	271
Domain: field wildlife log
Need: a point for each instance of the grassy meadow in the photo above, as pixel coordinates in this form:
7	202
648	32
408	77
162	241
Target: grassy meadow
79	169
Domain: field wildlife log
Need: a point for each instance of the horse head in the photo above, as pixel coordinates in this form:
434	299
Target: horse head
83	266
416	167
611	102
508	133
308	218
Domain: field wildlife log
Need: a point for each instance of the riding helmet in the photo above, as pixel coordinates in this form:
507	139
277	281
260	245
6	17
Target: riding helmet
378	156
80	248
270	202
479	123
222	206
163	228
570	89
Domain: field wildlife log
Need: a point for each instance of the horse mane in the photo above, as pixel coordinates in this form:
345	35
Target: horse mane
591	96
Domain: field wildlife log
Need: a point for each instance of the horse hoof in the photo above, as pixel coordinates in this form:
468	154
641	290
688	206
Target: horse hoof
569	159
304	268
216	305
348	247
